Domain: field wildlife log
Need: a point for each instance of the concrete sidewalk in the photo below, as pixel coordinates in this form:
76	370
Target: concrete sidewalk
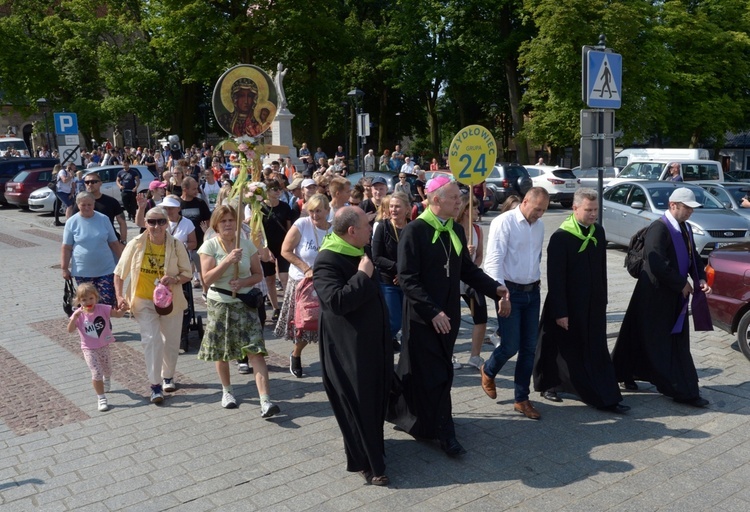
58	453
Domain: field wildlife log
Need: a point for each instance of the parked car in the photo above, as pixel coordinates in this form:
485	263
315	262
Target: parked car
507	179
560	182
730	195
742	175
589	177
690	170
18	189
11	166
728	275
43	199
632	205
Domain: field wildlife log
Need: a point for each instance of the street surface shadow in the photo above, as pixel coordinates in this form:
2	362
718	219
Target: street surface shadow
540	454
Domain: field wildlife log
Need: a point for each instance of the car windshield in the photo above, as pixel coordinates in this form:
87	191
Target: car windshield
738	193
564	174
649	171
660	198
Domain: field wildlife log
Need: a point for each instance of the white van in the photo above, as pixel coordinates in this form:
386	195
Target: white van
626	156
690	170
7	143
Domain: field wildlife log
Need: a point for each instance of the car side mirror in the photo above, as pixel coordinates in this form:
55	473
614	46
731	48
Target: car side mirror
636	205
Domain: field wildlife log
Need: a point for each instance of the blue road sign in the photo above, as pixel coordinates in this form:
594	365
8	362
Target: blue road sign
604	79
66	123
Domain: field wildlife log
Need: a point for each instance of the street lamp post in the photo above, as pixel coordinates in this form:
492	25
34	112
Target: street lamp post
203	107
356	95
345	106
42	103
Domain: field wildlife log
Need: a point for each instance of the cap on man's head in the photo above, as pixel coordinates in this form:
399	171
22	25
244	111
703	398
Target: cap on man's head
379	179
685	196
295	184
436	183
308	183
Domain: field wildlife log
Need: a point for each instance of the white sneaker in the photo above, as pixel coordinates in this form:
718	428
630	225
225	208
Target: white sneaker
107	385
493	339
228	401
476	362
456	364
156	396
103	405
268	409
168	385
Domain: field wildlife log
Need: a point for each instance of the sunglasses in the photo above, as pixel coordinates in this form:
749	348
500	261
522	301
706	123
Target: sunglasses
156	222
91	182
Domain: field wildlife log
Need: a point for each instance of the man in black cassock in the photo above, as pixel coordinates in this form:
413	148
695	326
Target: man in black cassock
654	340
572	354
432	261
356	352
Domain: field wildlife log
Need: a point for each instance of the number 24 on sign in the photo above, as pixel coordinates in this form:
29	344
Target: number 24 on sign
470	151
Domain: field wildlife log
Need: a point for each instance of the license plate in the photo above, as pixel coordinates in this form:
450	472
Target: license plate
719	245
570	185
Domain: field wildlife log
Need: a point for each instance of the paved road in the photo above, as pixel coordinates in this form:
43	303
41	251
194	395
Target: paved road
58	453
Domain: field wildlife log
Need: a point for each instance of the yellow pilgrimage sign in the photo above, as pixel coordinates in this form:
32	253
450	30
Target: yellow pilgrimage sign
472	154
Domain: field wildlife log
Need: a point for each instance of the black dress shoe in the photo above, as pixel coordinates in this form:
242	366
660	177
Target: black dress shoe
617	408
295	365
630	385
551	396
452	447
695	402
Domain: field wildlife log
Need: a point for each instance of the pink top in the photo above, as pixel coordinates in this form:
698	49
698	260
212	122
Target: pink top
95	327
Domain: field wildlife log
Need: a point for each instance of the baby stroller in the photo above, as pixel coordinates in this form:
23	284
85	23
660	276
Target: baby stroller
190	321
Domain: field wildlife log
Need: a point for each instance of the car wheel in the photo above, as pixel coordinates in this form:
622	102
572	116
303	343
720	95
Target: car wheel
566	204
743	334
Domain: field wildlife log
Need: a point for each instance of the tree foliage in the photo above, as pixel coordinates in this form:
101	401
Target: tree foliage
427	67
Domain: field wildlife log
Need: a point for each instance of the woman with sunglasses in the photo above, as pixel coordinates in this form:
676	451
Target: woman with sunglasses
154	257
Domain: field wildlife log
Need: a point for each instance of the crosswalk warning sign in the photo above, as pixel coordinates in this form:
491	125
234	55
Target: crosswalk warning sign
604	79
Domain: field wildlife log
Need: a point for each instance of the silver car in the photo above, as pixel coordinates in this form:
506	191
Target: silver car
632	205
730	195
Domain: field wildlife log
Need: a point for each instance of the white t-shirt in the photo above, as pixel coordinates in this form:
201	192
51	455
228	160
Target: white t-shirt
181	229
307	250
212	192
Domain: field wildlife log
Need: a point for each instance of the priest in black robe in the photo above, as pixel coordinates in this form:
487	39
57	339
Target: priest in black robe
356	353
572	354
654	340
432	261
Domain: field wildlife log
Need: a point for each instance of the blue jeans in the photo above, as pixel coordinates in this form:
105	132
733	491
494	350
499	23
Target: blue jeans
518	333
394	299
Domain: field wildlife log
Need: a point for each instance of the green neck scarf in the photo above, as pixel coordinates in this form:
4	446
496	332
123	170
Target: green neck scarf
432	219
335	243
571	226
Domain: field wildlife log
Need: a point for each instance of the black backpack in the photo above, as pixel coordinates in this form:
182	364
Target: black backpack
634	257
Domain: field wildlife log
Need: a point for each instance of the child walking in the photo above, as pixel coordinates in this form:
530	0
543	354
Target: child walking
93	323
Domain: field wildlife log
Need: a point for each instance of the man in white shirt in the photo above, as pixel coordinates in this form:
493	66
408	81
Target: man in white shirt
513	256
408	166
370	161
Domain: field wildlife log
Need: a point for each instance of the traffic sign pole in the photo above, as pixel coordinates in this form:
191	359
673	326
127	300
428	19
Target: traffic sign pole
601	72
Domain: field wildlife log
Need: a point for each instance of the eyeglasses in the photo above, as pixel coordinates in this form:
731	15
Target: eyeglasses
156	222
91	182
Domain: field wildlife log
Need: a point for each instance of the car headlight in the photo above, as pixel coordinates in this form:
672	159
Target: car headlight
696	229
40	194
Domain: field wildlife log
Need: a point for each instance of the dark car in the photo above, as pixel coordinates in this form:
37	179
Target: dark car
728	274
507	179
11	166
18	190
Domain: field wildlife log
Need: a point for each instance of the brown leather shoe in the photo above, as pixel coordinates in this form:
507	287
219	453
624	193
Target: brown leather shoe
488	384
527	410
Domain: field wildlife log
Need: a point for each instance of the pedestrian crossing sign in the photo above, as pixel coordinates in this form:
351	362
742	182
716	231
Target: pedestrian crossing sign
603	79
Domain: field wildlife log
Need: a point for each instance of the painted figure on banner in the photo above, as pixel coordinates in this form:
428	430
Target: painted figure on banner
245	101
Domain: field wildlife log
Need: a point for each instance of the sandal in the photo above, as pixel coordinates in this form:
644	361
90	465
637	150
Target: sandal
381	480
367	475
